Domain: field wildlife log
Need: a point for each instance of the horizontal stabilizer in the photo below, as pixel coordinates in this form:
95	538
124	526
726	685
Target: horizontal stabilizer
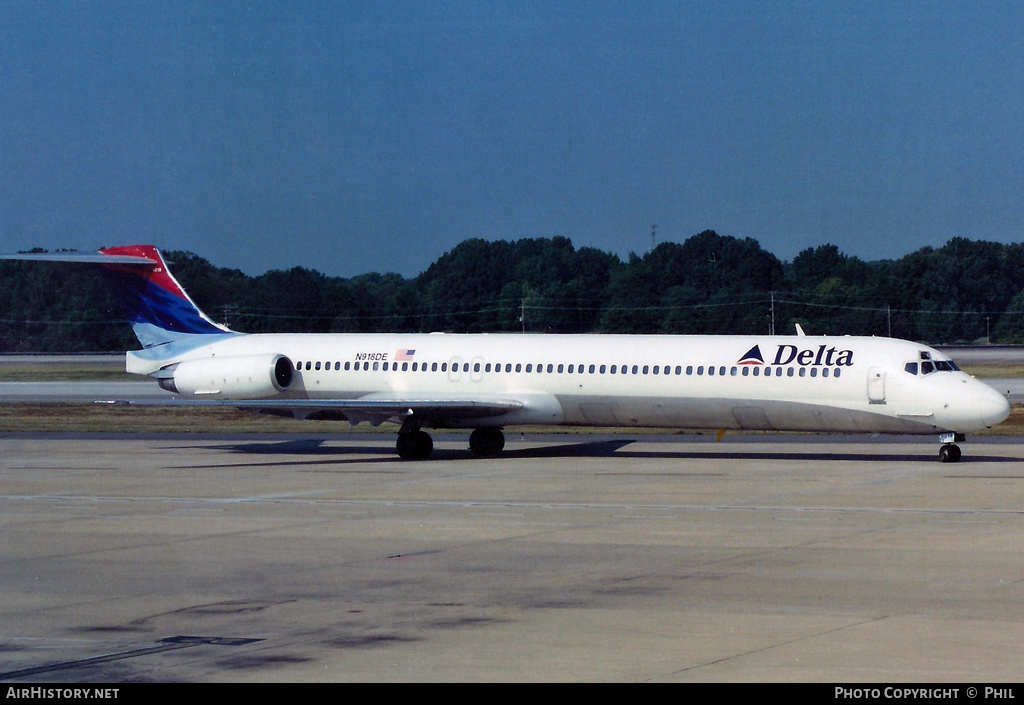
159	310
81	257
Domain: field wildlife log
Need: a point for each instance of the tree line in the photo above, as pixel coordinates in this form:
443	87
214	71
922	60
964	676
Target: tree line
964	291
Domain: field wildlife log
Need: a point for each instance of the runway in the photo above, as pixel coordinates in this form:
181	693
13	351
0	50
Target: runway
571	558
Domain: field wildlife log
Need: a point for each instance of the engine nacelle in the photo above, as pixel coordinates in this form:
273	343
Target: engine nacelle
238	377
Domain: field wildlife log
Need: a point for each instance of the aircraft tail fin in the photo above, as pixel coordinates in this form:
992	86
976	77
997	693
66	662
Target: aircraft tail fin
159	310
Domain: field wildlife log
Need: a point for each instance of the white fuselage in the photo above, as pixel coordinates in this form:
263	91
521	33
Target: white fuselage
798	383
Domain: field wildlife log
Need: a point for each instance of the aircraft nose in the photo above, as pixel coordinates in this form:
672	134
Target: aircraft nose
994	408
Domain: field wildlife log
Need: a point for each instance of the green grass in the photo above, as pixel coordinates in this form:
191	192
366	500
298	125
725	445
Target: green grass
65	372
85	417
994	371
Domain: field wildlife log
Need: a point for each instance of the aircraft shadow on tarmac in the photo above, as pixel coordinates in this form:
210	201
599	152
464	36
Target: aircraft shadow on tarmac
385	453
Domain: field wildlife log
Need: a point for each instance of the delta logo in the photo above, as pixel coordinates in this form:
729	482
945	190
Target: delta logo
808	357
752	357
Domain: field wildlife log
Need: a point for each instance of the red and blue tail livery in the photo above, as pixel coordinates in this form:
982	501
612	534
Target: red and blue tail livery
157	307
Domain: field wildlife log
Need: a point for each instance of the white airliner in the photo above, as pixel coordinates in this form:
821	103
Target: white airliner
487	381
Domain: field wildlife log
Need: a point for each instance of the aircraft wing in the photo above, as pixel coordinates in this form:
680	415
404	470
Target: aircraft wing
373	408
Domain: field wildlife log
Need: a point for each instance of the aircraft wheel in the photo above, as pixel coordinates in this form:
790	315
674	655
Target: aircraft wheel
414	445
949	453
486	442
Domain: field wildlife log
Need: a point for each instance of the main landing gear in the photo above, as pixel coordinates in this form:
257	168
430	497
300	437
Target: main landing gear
486	442
950	451
416	444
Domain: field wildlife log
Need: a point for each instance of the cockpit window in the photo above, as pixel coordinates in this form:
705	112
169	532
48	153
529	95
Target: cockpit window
929	366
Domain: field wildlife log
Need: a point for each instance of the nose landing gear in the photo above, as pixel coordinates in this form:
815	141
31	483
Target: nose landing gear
950	451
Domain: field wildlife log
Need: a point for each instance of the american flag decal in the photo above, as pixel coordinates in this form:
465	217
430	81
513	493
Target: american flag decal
404	355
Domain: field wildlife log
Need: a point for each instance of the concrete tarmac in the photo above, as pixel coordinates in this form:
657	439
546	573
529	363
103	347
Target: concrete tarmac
571	558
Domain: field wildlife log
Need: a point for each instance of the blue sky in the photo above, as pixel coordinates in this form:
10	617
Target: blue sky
374	136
